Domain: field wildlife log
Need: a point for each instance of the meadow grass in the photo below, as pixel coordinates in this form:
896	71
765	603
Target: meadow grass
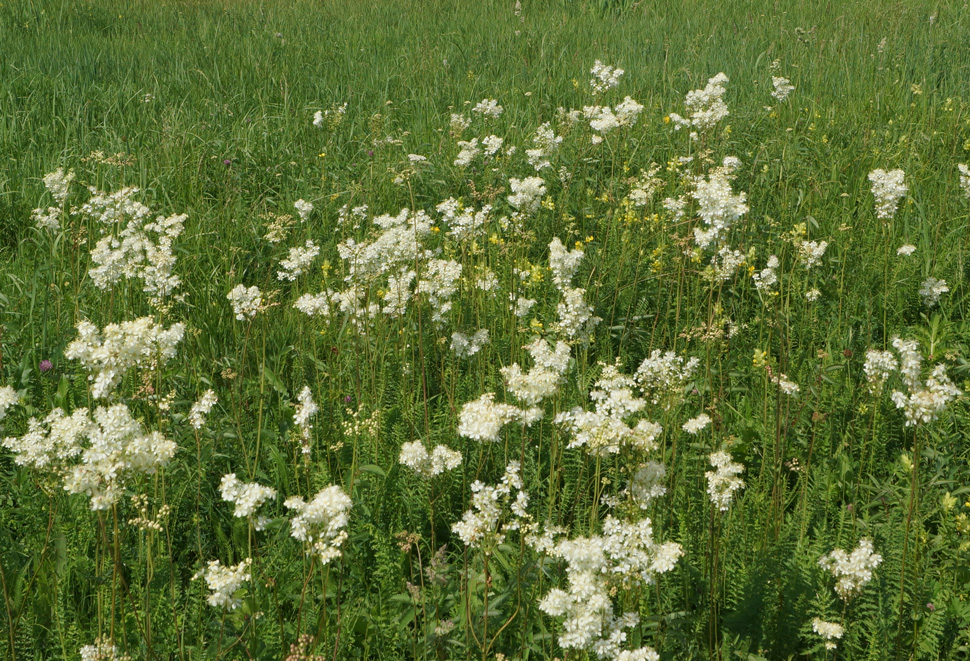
207	107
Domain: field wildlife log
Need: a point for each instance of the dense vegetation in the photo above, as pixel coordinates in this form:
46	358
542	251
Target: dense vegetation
667	338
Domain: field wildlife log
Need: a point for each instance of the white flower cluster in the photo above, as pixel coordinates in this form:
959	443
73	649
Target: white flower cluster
888	188
488	108
906	250
57	184
465	346
491	144
142	249
8	398
442	277
546	144
544	378
602	431
604	119
811	252
303	208
724	264
644	186
783	87
964	178
722	483
765	279
483	526
469	149
576	319
878	367
663	377
246	496
695	425
718	207
624	556
465	224
102	650
428	464
397	245
926	401
306	408
526	193
851	571
108	355
829	631
321	522
705	107
648	483
201	409
604	78
931	290
118	448
225	581
298	262
786	386
51	443
246	302
483	419
563	263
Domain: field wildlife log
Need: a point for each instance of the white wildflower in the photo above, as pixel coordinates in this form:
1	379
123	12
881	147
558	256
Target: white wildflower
246	496
723	482
303	208
931	290
887	188
225	582
851	571
906	250
298	262
429	464
201	409
469	150
8	398
811	252
493	512
663	377
483	419
648	483
695	425
488	108
321	522
526	193
604	77
492	144
109	354
878	367
964	178
783	87
465	346
58	184
829	631
246	302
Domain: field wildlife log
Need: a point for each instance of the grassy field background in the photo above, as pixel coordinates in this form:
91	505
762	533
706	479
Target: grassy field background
208	108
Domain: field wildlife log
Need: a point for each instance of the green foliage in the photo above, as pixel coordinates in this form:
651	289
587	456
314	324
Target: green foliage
207	107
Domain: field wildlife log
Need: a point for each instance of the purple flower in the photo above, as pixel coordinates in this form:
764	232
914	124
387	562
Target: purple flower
348	399
227	162
930	607
370	152
46	365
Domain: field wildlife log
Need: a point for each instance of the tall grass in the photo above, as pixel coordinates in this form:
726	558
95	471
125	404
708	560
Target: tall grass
207	107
